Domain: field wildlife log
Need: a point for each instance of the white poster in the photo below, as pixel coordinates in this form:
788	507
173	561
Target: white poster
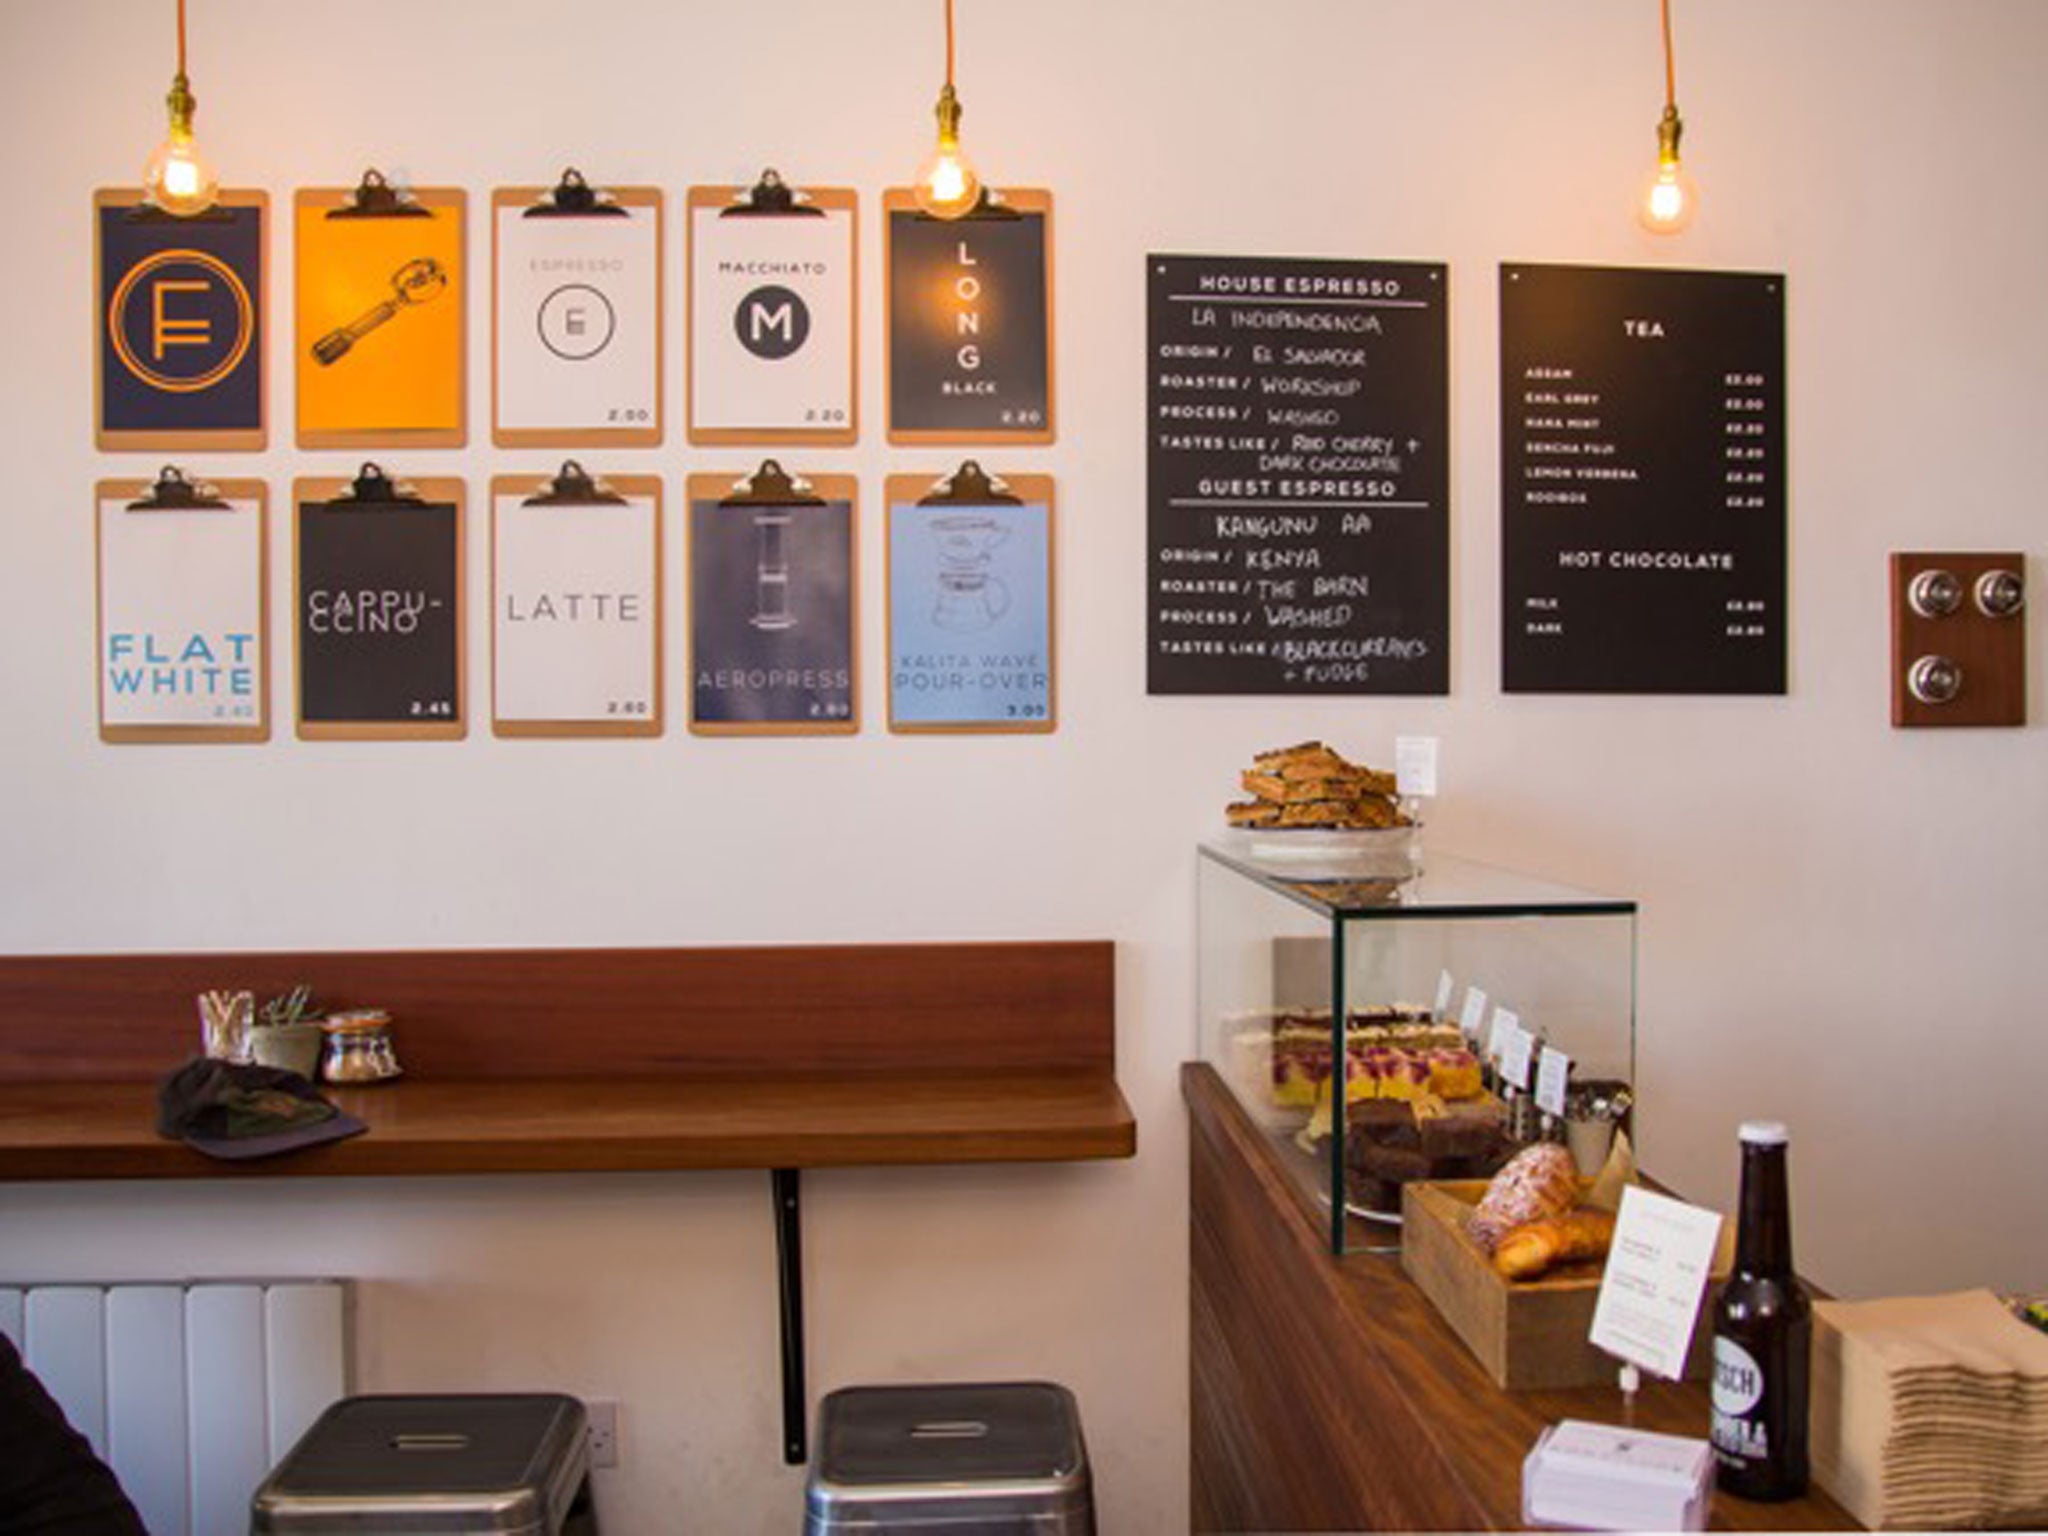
772	322
575	615
578	322
181	618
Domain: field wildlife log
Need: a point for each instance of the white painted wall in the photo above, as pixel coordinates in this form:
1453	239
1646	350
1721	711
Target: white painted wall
1841	922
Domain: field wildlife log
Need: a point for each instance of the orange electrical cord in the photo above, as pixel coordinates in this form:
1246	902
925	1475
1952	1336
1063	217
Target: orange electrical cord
1670	67
181	36
949	39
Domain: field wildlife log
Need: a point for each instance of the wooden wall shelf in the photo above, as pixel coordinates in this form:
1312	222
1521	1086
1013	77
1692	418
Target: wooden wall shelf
527	1061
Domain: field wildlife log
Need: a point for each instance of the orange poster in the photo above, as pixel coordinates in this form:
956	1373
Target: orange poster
378	348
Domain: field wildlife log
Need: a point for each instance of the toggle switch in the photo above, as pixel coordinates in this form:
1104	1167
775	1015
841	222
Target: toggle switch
1935	594
1935	680
2000	594
1959	646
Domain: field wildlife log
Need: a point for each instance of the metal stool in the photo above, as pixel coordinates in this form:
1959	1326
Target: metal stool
1003	1457
497	1464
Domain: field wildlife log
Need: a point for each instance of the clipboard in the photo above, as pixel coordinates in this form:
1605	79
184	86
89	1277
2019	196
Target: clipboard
585	334
750	379
213	680
970	605
380	328
178	350
773	574
323	510
581	497
919	344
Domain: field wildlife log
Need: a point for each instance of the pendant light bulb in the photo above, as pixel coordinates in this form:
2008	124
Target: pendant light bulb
1670	196
179	179
946	186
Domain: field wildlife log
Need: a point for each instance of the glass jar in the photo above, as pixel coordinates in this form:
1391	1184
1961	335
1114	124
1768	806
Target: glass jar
359	1047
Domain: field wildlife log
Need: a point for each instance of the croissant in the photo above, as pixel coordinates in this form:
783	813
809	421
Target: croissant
1538	1181
1529	1250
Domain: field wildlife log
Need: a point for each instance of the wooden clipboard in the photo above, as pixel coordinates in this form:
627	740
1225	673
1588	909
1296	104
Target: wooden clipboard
968	487
329	491
767	488
771	199
163	498
569	200
255	309
380	210
1011	203
564	490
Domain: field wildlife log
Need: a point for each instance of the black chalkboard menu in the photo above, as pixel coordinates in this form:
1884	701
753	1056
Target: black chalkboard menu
970	322
379	608
1642	481
1298	526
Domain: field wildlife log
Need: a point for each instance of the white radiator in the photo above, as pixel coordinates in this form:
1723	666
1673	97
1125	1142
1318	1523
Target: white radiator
190	1391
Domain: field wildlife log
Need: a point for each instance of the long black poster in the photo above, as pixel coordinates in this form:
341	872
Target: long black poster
1642	481
1298	422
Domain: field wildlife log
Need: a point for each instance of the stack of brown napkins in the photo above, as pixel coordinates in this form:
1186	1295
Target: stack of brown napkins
1931	1411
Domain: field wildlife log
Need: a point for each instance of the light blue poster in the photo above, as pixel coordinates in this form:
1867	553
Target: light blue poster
970	616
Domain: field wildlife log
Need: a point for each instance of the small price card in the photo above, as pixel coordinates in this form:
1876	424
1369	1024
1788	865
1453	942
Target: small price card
1553	1071
1473	1017
1517	1050
1415	764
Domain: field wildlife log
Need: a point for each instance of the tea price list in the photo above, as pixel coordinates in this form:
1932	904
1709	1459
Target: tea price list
1298	537
1642	481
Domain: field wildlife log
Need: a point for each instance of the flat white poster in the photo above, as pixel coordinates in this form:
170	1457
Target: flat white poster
771	324
576	623
578	323
181	619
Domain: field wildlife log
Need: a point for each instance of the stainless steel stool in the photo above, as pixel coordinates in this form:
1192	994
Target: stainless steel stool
496	1464
1002	1457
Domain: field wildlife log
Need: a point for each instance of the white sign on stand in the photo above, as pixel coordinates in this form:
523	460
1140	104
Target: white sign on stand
1656	1273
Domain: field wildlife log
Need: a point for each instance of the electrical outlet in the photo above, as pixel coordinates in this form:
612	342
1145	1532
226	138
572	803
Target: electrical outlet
603	1432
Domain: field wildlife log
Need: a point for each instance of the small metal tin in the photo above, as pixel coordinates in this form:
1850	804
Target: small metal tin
359	1047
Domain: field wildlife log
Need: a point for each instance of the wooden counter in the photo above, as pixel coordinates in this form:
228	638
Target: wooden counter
525	1061
1328	1395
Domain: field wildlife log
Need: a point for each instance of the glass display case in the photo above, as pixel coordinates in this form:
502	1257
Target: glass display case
1418	981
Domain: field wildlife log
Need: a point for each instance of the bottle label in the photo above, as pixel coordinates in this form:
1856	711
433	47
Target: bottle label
1738	1388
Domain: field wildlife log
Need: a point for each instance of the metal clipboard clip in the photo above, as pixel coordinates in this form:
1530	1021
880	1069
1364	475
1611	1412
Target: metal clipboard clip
376	198
372	489
575	198
174	493
771	197
574	488
970	486
989	205
768	486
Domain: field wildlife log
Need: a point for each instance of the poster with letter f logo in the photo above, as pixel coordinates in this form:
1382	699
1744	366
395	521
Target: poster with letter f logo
180	322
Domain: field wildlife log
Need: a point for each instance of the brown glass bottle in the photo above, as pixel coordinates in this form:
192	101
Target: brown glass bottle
1763	1330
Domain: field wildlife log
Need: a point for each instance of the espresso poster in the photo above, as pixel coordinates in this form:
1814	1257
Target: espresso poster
1297	512
970	323
1642	481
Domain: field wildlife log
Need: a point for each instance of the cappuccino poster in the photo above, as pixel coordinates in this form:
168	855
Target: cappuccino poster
772	320
576	309
970	323
970	613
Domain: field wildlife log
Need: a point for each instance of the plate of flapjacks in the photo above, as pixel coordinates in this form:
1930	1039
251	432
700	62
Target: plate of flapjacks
1310	801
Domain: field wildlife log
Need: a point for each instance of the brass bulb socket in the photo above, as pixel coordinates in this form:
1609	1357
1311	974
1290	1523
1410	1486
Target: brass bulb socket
1669	130
182	104
948	114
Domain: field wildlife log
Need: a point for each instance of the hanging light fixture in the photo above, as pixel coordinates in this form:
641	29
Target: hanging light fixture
1670	196
178	178
946	186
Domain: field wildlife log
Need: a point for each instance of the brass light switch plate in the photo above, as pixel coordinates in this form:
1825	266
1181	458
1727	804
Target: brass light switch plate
1959	639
